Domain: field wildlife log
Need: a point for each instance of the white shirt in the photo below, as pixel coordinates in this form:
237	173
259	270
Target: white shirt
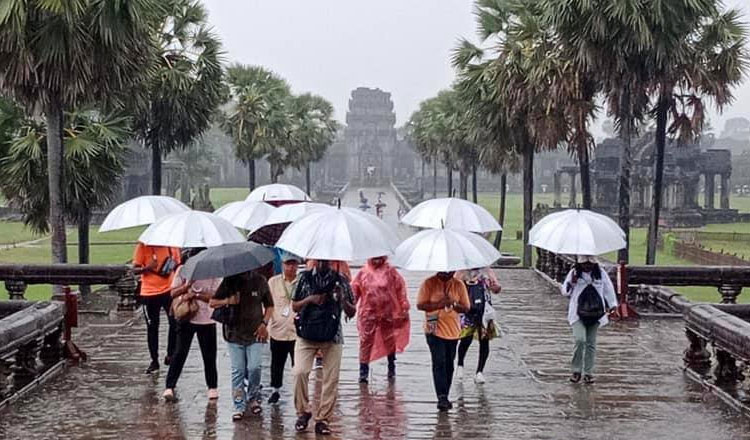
603	286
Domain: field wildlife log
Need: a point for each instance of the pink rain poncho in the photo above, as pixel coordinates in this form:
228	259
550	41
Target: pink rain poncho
382	311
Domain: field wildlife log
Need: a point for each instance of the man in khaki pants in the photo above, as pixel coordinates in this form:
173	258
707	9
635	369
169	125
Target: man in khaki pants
321	295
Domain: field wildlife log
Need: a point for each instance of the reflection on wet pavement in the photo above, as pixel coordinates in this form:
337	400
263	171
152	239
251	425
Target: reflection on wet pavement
641	391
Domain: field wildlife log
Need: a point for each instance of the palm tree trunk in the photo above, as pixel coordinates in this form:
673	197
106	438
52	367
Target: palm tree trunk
660	142
421	182
55	152
434	177
463	183
474	196
626	117
251	173
528	199
449	174
84	219
308	182
156	170
272	173
584	164
501	214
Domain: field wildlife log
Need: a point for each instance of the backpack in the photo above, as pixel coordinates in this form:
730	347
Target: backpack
320	323
590	306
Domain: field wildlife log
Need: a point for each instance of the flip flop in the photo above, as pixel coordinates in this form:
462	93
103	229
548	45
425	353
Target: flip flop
321	428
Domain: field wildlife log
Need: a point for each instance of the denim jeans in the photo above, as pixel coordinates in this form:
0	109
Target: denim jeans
443	353
584	352
245	360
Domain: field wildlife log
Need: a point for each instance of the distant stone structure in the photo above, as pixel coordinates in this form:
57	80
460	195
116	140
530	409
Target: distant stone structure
370	150
688	171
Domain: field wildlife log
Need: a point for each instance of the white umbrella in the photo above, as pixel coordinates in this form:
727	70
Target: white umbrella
291	212
141	211
246	215
451	213
191	229
445	250
277	192
577	232
338	234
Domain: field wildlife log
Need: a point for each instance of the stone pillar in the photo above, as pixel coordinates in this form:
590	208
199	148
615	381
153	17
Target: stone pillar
696	356
557	189
709	191
726	371
126	289
15	288
725	191
729	293
573	191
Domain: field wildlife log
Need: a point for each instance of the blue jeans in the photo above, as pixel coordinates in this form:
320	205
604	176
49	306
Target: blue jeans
245	360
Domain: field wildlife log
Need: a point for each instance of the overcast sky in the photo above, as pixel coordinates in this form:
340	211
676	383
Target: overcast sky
330	47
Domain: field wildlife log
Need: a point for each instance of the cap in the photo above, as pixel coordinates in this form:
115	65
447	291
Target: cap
287	257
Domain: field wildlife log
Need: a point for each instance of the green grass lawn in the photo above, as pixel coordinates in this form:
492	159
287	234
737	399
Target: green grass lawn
15	232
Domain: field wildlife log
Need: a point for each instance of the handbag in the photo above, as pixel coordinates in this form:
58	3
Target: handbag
184	309
169	266
224	315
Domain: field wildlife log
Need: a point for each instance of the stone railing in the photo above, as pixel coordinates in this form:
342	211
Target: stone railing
30	343
120	278
718	334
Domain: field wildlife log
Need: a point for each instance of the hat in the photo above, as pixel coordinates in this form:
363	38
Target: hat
585	259
288	256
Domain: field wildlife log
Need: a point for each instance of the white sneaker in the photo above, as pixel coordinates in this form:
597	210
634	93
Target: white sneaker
460	373
479	378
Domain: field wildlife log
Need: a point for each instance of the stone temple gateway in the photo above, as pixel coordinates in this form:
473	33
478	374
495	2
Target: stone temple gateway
370	150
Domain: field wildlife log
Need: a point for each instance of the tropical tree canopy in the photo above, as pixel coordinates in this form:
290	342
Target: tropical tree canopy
184	88
94	156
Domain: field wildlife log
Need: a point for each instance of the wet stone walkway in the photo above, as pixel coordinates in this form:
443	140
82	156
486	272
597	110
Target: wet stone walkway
641	391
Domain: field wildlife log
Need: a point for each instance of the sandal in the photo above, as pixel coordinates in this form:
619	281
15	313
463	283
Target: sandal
255	408
321	428
302	421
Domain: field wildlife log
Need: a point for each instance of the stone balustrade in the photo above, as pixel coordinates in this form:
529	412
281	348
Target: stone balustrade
120	278
30	343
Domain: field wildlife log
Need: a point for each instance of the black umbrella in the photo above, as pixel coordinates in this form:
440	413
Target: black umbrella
227	260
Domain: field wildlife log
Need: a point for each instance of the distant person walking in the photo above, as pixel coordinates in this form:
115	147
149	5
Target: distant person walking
249	299
322	294
382	315
156	265
592	298
479	321
193	296
442	298
281	326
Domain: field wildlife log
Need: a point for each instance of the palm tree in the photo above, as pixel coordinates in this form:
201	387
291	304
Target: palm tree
94	160
705	57
185	86
313	130
257	119
514	75
610	39
57	55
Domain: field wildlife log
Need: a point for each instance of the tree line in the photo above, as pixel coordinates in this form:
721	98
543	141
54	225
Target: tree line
543	68
79	79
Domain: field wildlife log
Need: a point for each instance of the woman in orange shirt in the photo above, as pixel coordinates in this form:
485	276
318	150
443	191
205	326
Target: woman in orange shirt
442	298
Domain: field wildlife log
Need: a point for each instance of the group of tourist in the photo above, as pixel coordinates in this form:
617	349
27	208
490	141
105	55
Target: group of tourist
299	315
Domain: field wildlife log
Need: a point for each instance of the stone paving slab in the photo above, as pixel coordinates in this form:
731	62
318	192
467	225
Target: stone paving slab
641	391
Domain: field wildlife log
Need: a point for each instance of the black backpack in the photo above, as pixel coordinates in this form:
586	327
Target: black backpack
590	306
319	323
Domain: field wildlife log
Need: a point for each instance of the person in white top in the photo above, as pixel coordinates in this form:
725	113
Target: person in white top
281	325
592	298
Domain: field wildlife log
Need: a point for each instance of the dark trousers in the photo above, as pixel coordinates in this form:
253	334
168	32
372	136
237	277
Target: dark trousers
280	350
207	343
443	353
484	351
153	305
